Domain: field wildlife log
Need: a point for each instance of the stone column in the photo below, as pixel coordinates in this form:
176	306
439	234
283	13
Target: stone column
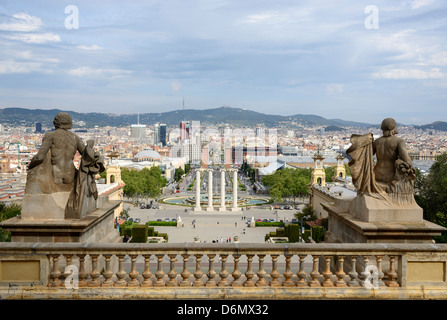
198	186
235	186
222	190
210	191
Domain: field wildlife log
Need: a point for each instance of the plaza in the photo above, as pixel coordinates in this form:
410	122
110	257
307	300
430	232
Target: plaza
211	226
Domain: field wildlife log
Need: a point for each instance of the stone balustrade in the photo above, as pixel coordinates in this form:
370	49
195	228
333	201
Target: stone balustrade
218	271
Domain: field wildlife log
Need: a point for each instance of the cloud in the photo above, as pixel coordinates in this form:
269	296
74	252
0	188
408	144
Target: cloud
414	74
38	38
87	71
416	4
334	88
24	27
175	85
22	22
11	66
93	47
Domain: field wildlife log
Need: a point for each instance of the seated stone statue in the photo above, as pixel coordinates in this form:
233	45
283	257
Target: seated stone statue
55	188
392	176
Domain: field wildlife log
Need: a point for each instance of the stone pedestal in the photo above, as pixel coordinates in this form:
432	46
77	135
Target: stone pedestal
366	219
98	226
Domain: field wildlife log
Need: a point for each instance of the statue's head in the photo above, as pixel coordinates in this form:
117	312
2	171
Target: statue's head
389	127
62	121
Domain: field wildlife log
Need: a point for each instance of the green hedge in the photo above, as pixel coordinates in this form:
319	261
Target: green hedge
139	233
269	224
162	223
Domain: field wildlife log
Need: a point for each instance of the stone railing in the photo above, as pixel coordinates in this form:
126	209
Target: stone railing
222	271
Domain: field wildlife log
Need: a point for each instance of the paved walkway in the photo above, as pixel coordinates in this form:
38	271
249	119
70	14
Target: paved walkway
211	226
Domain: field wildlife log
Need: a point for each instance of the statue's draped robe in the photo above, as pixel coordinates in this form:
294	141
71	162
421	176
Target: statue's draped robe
362	164
80	201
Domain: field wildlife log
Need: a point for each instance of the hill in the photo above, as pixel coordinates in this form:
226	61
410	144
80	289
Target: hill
227	115
437	125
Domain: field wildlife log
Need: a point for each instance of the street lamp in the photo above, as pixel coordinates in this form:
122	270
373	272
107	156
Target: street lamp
302	225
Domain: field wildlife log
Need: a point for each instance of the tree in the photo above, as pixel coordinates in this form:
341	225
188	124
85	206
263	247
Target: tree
179	172
431	193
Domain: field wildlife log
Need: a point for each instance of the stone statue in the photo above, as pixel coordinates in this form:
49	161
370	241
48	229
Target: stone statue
60	147
392	176
55	189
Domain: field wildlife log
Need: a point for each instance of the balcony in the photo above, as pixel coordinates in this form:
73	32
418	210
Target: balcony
222	271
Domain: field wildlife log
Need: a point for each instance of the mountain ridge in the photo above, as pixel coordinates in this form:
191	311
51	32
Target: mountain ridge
214	116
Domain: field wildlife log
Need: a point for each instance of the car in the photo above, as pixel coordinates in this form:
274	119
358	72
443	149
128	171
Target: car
167	219
258	220
130	219
142	206
148	206
154	207
137	220
265	220
294	221
272	220
159	220
174	220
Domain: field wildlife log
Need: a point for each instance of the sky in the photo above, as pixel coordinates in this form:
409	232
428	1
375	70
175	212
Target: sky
354	60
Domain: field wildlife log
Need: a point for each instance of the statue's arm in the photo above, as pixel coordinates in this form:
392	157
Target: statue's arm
80	145
41	154
403	154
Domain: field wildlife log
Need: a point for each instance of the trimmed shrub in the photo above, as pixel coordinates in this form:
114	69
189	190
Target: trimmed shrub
293	232
139	233
318	233
269	224
162	223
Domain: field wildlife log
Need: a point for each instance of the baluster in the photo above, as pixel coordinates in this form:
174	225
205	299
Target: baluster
147	274
249	274
288	274
236	273
55	281
301	274
340	273
315	274
392	274
380	272
261	272
108	273
211	274
133	274
172	274
94	275
365	274
275	274
185	273
121	274
353	273
327	274
198	274
160	273
65	274
223	274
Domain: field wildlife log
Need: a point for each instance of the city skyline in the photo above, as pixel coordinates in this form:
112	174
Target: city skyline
352	60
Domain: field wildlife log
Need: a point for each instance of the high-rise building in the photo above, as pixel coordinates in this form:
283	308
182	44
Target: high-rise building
39	127
160	134
163	134
184	130
138	131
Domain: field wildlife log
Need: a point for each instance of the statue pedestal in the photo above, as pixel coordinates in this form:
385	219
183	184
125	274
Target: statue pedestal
368	220
98	226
